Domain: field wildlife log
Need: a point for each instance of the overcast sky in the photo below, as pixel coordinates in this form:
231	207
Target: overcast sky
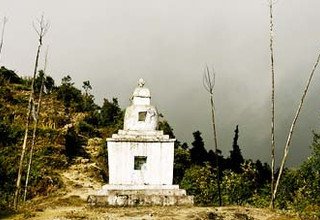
168	42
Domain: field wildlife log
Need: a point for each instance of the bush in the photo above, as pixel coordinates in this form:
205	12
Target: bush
102	161
182	162
239	187
9	75
85	128
200	182
287	189
72	143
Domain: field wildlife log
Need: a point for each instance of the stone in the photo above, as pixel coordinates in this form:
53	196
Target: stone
140	160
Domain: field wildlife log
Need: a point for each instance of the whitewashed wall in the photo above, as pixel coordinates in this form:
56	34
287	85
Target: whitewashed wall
159	165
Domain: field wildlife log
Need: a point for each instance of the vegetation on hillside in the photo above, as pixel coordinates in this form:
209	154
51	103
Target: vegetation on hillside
70	117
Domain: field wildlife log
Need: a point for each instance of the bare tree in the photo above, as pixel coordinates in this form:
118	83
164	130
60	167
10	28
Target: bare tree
293	124
35	126
271	2
41	29
5	19
209	83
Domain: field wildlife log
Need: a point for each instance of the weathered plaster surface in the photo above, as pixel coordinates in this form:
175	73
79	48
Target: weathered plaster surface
140	160
157	170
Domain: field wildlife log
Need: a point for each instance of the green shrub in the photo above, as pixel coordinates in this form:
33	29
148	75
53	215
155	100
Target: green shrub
200	182
9	75
238	188
87	129
72	143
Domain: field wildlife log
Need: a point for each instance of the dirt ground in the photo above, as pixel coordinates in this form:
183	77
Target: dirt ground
150	213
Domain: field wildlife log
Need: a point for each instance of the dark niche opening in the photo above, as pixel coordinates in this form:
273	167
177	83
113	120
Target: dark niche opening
142	116
139	161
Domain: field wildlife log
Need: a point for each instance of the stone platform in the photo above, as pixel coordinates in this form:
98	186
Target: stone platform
130	195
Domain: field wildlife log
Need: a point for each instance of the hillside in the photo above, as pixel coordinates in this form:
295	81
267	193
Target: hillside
69	162
62	136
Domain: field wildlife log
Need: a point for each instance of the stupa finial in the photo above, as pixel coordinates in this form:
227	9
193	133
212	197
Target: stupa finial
141	82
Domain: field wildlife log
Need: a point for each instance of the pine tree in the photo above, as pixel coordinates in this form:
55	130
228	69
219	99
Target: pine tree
198	153
110	112
236	158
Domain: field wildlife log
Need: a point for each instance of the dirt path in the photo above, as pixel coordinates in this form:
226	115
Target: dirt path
77	180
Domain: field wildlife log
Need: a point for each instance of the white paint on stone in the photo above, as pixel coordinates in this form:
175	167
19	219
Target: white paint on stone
158	168
139	138
140	160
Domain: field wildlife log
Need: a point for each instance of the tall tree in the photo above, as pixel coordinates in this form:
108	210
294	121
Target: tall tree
271	2
110	112
209	83
236	158
87	87
88	99
35	125
293	124
70	95
198	152
41	29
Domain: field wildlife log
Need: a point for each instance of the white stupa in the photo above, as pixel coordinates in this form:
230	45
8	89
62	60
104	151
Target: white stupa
140	160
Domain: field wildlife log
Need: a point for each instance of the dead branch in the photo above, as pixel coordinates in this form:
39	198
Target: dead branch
209	83
286	148
272	102
35	126
41	31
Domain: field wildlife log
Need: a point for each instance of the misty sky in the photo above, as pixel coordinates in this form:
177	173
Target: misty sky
168	42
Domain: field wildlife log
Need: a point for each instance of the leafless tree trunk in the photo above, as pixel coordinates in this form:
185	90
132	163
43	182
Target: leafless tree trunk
209	83
2	34
272	103
286	148
41	31
35	126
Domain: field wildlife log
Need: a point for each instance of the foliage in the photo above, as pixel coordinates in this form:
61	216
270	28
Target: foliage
287	189
236	158
103	161
88	99
48	82
201	182
307	196
182	162
198	153
9	75
261	197
9	134
263	173
44	179
70	95
93	118
8	173
110	112
88	129
164	126
72	143
239	187
86	86
299	188
309	173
